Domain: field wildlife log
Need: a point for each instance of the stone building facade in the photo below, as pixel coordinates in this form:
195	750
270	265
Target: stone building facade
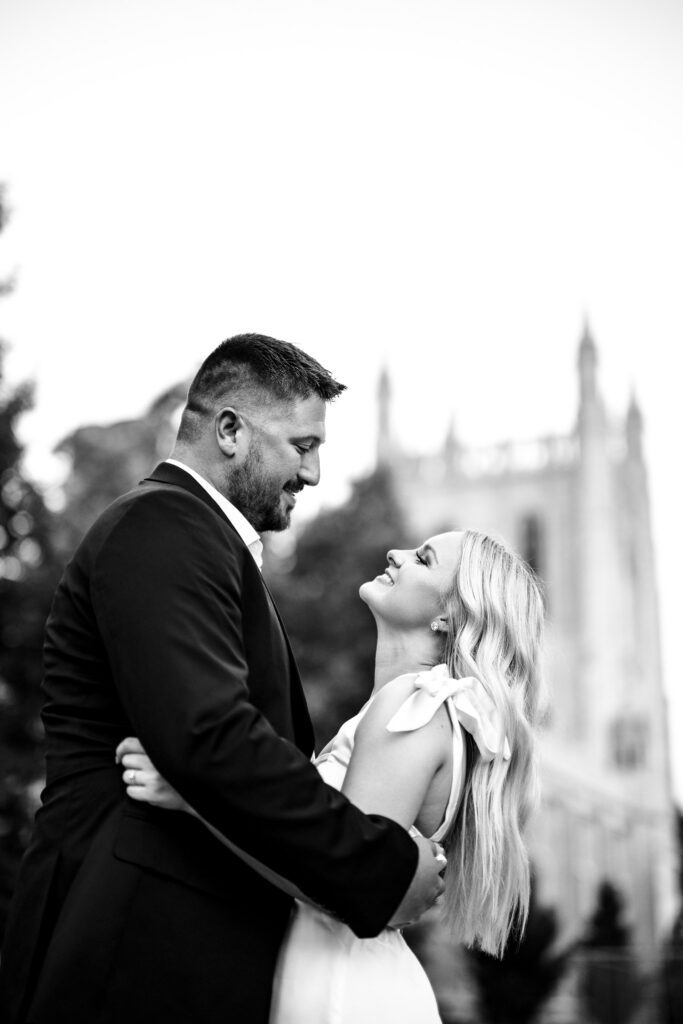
577	508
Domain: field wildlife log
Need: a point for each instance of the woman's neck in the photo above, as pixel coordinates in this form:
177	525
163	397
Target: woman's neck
399	653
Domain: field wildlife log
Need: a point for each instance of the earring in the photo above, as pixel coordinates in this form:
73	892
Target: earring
434	626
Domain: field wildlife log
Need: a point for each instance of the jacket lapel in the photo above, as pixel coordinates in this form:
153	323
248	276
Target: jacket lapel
167	474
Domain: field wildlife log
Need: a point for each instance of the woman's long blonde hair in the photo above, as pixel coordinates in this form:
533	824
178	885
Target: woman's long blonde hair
495	623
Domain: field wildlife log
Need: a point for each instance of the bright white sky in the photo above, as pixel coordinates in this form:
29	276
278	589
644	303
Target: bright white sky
451	186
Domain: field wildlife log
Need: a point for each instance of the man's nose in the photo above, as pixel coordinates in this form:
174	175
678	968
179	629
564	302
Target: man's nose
309	473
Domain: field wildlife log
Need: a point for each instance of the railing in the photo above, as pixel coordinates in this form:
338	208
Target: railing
598	986
611	986
552	451
503	457
520	456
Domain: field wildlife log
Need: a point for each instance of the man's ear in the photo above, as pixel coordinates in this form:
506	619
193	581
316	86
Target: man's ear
230	431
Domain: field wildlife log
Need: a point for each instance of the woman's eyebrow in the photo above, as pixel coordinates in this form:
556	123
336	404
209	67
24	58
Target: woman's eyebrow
430	550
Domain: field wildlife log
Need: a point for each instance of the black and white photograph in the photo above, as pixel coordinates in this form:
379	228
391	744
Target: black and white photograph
340	512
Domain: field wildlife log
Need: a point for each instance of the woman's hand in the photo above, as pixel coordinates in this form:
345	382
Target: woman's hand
144	783
142	780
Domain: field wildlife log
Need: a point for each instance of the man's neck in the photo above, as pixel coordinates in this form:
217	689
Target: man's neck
193	460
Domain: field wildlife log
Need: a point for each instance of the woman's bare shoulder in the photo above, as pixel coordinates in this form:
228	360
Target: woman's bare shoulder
387	701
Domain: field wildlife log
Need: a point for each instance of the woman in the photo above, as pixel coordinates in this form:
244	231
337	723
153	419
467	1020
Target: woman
445	745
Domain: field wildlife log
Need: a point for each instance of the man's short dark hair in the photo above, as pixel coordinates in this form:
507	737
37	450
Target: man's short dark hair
258	367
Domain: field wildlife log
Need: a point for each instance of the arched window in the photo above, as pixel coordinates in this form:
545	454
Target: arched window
629	742
532	542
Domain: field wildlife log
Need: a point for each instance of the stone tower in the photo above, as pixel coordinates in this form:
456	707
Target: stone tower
385	449
577	508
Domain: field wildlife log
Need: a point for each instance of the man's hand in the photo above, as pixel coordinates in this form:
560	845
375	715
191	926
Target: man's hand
427	884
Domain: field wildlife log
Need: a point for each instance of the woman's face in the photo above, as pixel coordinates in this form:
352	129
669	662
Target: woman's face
409	592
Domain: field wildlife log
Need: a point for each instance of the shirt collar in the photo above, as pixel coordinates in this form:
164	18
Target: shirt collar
240	522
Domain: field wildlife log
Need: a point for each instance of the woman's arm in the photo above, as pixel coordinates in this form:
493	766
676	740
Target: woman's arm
145	784
390	773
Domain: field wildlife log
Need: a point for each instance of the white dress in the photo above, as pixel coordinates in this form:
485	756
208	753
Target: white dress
325	973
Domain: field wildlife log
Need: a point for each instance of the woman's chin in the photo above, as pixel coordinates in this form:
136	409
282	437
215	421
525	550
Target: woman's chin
369	592
372	593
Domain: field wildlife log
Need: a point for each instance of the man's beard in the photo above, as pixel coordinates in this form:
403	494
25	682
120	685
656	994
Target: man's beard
258	496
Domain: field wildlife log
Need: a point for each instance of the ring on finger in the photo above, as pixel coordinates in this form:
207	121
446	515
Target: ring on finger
131	776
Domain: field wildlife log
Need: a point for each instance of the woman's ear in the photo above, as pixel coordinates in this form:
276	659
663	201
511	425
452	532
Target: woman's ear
439	625
230	428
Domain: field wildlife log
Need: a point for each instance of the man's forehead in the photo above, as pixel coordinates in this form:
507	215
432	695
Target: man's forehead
304	416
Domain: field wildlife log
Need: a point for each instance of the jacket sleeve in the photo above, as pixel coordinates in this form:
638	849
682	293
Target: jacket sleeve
166	588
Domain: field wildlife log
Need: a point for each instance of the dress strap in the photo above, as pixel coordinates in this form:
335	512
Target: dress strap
468	701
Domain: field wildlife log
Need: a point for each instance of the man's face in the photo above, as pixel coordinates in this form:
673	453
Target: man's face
283	458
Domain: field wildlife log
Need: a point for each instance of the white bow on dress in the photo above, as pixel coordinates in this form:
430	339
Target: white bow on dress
473	708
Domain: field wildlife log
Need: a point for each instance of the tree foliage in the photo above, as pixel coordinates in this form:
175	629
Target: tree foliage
332	631
607	928
671	981
28	573
106	461
513	990
611	988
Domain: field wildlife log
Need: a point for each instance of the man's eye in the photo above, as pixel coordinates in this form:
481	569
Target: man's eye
302	448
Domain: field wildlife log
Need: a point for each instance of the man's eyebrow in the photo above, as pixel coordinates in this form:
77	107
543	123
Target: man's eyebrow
320	438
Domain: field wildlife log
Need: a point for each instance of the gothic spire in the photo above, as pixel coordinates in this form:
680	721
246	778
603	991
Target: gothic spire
451	445
384	435
590	403
634	426
588	359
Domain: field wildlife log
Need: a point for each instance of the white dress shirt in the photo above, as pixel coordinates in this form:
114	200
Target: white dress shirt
242	525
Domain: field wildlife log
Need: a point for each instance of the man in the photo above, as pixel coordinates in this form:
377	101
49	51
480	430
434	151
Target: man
162	627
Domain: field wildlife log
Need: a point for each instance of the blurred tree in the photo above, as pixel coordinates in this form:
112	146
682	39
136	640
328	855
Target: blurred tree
28	574
332	632
607	929
611	988
106	461
671	981
7	283
513	990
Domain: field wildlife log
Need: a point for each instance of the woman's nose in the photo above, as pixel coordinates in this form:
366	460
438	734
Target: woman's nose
394	558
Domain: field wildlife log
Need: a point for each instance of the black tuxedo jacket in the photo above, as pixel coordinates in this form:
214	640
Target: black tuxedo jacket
162	627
